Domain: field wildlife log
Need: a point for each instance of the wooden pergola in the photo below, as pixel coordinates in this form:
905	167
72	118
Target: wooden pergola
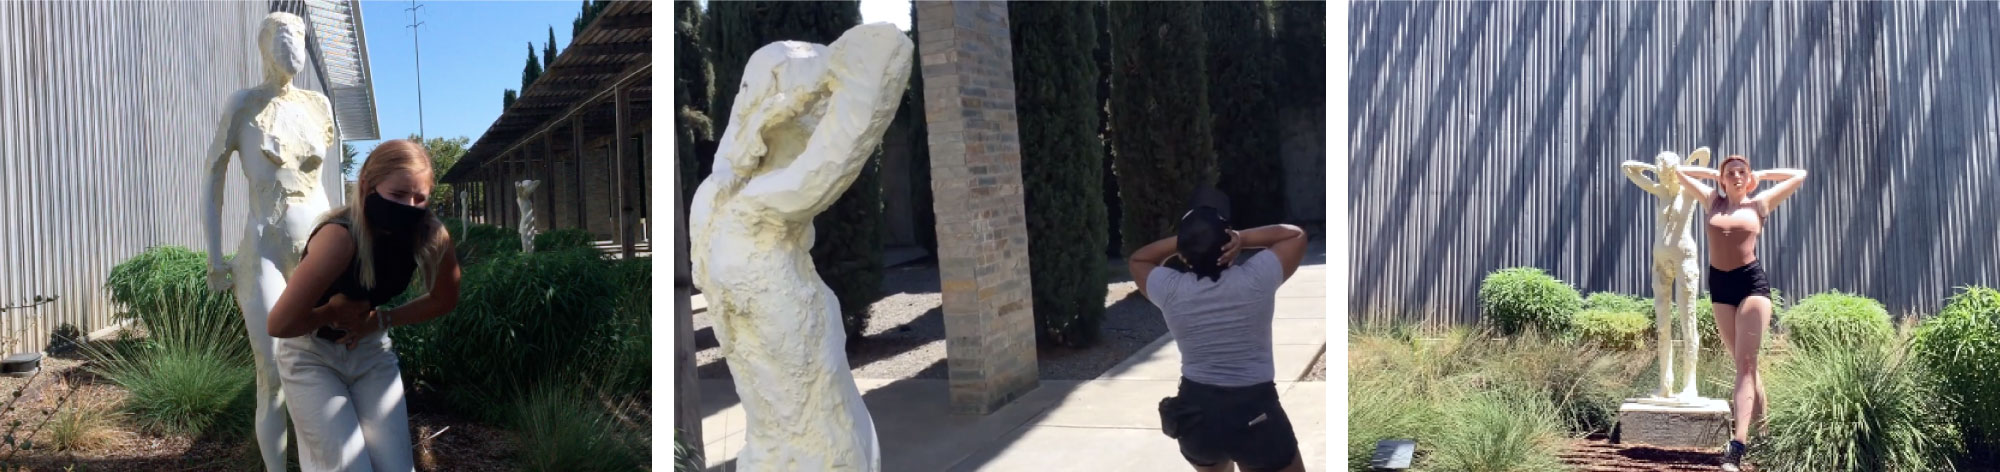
582	130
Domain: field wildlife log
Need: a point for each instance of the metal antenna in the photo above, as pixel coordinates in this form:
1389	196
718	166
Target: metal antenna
420	65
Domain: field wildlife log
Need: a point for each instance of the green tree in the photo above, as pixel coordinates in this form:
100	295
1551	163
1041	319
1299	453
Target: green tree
445	153
507	99
588	13
1241	65
848	249
347	159
1055	82
1302	44
549	50
693	85
531	71
922	201
1160	122
1112	206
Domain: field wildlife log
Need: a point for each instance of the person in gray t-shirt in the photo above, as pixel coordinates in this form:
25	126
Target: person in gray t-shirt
1219	307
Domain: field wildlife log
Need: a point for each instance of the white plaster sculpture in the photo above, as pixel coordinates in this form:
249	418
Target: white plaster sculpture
804	123
524	196
1676	269
282	135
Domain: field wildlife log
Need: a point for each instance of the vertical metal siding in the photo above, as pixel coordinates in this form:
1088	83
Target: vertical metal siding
107	111
1488	135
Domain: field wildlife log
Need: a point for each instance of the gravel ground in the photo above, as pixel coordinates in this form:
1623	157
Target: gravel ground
905	336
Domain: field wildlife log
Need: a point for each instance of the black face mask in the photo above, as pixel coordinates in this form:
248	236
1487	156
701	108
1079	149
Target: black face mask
393	219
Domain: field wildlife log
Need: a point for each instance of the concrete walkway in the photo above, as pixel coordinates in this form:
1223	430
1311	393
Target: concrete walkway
1106	424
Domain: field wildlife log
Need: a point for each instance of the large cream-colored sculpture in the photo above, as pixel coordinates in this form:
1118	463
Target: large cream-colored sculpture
806	120
524	196
282	135
1676	269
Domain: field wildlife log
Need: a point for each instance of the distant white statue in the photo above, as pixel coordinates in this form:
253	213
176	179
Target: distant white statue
524	196
799	132
1676	269
282	135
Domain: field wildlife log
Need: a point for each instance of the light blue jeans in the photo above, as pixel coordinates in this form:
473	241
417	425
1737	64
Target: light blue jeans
347	406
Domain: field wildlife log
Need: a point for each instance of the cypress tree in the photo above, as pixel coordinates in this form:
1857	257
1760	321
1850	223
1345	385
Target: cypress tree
1302	42
549	50
848	249
1160	120
692	88
531	71
507	99
1112	206
1240	90
922	202
1055	82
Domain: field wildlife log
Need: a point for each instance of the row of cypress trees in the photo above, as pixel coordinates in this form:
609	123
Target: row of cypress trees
1204	81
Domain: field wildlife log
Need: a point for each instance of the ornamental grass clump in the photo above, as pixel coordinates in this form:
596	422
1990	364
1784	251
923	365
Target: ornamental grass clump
1961	348
1524	299
1860	409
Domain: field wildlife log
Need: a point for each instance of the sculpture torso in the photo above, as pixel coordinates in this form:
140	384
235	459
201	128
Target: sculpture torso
282	143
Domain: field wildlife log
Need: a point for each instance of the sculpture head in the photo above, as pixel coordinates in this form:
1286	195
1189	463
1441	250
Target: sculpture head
392	211
283	43
1736	176
779	102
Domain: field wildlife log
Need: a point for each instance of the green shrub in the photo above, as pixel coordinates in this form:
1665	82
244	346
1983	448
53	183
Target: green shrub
521	319
563	428
1835	320
1619	330
686	458
1961	348
624	350
1618	302
478	242
165	285
1243	94
1526	299
1162	128
183	393
1499	431
565	238
1381	409
1583	384
1061	162
1864	409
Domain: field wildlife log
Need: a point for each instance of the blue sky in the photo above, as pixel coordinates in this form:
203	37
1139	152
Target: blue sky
472	51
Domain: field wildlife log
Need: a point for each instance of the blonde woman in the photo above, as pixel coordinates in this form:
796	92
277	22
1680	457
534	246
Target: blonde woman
341	380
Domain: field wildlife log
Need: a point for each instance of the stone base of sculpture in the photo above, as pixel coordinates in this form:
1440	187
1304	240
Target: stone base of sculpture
1699	422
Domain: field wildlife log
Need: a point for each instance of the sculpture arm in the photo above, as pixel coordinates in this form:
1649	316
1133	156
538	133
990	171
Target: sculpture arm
1635	171
1143	261
1789	181
211	193
870	67
1703	173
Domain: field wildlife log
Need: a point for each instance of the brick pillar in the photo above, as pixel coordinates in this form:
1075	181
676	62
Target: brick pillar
976	175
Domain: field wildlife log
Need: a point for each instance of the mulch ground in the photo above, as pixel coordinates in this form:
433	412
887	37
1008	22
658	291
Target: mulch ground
445	441
1598	454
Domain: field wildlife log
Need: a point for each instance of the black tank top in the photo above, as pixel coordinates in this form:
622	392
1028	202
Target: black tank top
395	263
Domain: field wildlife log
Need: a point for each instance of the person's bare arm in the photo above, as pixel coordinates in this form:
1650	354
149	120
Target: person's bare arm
211	193
1287	242
1690	183
1143	261
1789	181
1635	171
327	255
441	299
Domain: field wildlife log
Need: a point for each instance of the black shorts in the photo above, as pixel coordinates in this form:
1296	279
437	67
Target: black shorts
1732	286
1223	430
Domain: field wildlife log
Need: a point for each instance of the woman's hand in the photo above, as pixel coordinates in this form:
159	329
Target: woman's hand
372	322
343	310
1230	249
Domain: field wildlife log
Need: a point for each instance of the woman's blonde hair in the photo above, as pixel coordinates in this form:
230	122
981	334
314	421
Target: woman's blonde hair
388	159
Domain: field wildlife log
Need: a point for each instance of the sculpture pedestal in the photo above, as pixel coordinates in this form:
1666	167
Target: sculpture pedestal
1674	422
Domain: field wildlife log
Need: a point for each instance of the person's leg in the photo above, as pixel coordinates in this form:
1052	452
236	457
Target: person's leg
1269	445
328	430
379	405
258	284
1753	315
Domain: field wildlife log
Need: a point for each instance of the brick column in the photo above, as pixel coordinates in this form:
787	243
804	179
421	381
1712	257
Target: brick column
976	176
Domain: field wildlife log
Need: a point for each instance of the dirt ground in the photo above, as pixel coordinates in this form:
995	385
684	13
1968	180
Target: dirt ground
445	442
1597	454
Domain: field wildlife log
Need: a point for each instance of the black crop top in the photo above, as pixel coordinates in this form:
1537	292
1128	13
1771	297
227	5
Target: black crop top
395	264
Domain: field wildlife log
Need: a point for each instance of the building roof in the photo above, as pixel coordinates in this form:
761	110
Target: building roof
615	50
344	49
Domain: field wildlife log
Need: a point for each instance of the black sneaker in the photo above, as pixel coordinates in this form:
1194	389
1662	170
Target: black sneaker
1732	458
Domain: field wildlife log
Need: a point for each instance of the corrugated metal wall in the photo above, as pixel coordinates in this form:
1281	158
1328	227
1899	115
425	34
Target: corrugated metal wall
106	112
1488	135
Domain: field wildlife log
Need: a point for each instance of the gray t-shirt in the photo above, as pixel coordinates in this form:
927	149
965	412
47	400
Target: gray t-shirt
1223	327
